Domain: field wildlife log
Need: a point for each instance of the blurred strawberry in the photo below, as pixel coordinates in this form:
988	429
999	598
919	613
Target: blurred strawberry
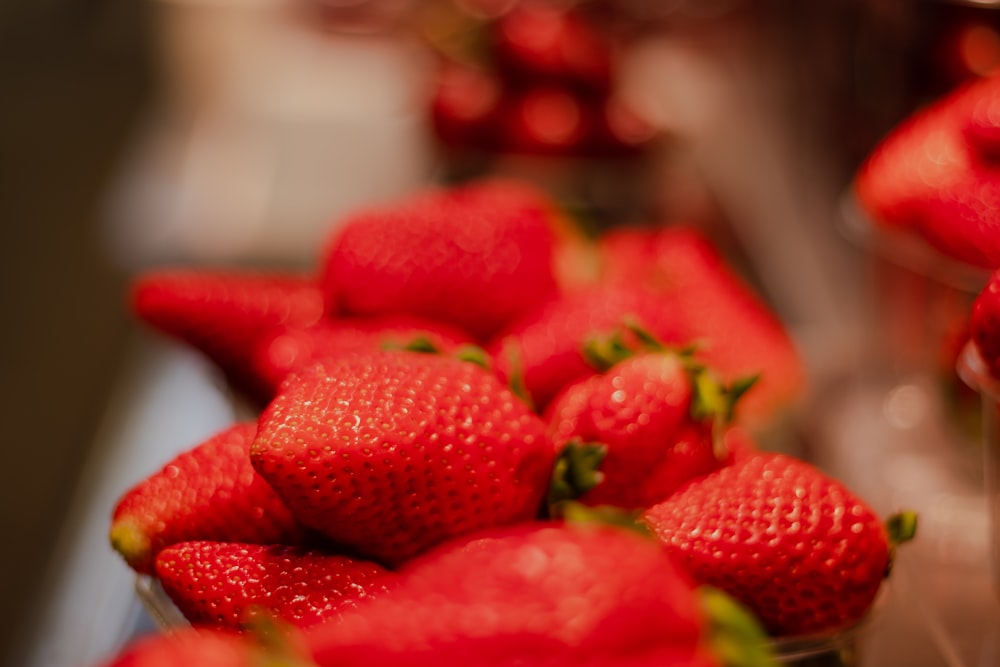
290	349
935	175
188	647
793	545
545	120
453	259
221	585
543	41
532	595
393	452
210	492
226	314
984	324
465	106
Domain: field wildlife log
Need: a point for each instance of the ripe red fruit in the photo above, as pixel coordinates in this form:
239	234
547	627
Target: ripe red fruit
290	349
474	265
734	330
546	346
984	324
210	492
934	175
534	594
795	546
226	314
393	452
186	648
220	584
651	415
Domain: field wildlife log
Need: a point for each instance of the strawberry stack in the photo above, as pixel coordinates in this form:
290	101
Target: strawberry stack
486	439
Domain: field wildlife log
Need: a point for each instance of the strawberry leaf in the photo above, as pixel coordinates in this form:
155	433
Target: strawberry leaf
605	515
735	635
575	472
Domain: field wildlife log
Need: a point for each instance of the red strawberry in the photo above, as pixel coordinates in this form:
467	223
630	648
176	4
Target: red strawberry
226	314
290	349
219	584
796	547
545	120
474	265
546	346
393	452
465	105
935	175
202	648
540	41
210	492
656	416
984	324
534	594
734	330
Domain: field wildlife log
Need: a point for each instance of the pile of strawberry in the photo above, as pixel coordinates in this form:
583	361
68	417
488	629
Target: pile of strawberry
936	176
537	79
447	404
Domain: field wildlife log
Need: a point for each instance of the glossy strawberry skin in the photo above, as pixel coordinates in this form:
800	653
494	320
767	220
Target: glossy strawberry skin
641	411
209	492
392	452
289	349
796	547
219	584
546	345
444	257
534	594
736	332
984	324
225	314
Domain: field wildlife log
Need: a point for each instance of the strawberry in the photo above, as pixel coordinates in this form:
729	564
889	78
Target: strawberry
219	584
203	648
545	120
793	545
733	329
465	104
393	452
541	41
935	177
984	324
546	346
534	594
226	314
474	265
657	417
289	349
209	492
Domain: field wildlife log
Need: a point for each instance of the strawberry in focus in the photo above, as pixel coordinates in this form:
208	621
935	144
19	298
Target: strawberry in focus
392	452
210	492
219	584
659	419
793	545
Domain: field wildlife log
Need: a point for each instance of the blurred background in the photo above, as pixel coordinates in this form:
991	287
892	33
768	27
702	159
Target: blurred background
235	132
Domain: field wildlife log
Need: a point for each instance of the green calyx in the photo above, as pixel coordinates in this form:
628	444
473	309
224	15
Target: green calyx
424	345
900	528
575	472
735	635
605	515
515	373
274	640
603	351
